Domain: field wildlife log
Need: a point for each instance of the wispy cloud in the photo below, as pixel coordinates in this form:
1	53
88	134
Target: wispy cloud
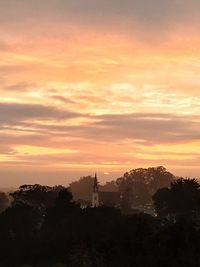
15	112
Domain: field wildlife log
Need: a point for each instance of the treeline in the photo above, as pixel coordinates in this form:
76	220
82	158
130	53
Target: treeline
135	187
45	227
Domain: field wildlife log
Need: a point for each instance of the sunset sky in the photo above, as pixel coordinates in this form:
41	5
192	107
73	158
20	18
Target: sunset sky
98	85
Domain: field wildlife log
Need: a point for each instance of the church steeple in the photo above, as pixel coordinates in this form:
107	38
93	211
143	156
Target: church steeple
95	186
95	195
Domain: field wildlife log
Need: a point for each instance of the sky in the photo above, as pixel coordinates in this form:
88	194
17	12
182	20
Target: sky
98	85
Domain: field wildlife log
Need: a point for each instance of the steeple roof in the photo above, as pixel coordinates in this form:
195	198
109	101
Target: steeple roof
95	186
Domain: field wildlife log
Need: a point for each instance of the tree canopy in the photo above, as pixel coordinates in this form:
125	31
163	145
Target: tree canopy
181	198
4	201
82	189
38	196
66	235
138	185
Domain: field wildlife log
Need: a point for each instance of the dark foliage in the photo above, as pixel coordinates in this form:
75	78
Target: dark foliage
181	199
37	196
138	186
4	201
67	236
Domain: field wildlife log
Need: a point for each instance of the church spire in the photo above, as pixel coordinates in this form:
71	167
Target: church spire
95	186
95	195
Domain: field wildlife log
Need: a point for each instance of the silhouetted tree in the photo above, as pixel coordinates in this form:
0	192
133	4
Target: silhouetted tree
110	186
181	199
64	198
59	228
37	196
178	244
138	185
4	201
68	236
161	198
19	229
62	207
19	222
82	189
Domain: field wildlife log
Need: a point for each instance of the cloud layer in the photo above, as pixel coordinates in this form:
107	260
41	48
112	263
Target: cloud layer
109	85
144	11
